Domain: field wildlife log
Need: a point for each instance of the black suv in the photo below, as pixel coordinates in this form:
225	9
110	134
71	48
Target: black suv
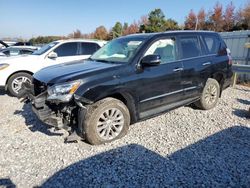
130	79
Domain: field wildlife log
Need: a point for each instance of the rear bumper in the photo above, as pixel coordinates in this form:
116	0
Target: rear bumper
228	79
227	83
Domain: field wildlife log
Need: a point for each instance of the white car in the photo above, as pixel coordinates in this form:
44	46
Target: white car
15	50
16	70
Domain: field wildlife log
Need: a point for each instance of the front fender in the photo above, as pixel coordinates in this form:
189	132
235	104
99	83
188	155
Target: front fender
127	96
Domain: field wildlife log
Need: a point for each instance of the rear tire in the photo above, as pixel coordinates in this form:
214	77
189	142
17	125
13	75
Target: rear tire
210	95
105	121
15	82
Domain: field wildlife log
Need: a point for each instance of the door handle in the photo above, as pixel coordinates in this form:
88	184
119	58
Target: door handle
207	63
178	69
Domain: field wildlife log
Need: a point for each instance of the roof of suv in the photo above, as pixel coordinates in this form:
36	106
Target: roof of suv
100	42
168	32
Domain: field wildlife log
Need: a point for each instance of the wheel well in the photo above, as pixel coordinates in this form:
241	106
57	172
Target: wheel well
220	79
24	71
129	102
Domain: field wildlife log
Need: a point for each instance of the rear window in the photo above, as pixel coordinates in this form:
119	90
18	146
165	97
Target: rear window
212	43
88	48
190	47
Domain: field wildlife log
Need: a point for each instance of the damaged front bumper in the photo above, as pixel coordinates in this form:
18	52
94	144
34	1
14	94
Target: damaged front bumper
45	113
59	115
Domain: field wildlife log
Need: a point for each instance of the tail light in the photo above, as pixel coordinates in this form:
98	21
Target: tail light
230	59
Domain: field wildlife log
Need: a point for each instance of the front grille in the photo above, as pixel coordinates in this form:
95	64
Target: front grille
39	87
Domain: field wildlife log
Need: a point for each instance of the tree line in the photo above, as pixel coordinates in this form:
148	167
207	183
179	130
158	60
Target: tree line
219	19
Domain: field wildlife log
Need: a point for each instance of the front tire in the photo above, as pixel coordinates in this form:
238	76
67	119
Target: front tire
15	82
210	95
105	121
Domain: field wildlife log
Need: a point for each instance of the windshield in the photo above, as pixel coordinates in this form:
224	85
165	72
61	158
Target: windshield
119	50
45	48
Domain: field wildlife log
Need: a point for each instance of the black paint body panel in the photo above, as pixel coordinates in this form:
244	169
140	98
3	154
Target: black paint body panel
147	88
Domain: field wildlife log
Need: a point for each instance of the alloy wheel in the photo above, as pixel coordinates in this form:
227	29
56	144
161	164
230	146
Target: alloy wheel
211	94
110	124
17	83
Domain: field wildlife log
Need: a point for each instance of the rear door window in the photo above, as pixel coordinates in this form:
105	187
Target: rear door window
190	47
67	49
212	44
26	52
14	52
88	48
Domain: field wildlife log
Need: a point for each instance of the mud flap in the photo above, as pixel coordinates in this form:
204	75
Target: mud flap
80	121
77	133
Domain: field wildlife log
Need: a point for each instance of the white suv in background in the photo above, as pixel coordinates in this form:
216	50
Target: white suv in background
16	70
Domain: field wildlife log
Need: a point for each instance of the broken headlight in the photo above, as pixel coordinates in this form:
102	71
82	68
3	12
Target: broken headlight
63	92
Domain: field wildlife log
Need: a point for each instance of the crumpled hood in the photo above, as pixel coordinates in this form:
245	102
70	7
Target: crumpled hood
72	71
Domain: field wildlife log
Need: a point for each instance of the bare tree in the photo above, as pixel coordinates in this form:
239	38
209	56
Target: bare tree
246	15
131	29
217	17
143	20
191	20
76	34
201	17
229	17
101	33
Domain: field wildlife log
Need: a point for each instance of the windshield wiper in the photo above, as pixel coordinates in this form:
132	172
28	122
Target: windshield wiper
99	60
103	60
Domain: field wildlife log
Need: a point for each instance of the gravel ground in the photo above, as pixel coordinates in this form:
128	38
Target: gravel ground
183	148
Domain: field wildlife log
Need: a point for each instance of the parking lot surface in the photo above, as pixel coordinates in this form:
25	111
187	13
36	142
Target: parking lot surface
186	147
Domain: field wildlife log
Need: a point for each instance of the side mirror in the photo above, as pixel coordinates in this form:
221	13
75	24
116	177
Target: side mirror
52	55
151	60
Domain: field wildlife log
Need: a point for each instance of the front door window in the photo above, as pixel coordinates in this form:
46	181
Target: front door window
67	49
165	48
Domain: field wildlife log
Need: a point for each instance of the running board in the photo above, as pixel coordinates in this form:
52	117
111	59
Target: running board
161	109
